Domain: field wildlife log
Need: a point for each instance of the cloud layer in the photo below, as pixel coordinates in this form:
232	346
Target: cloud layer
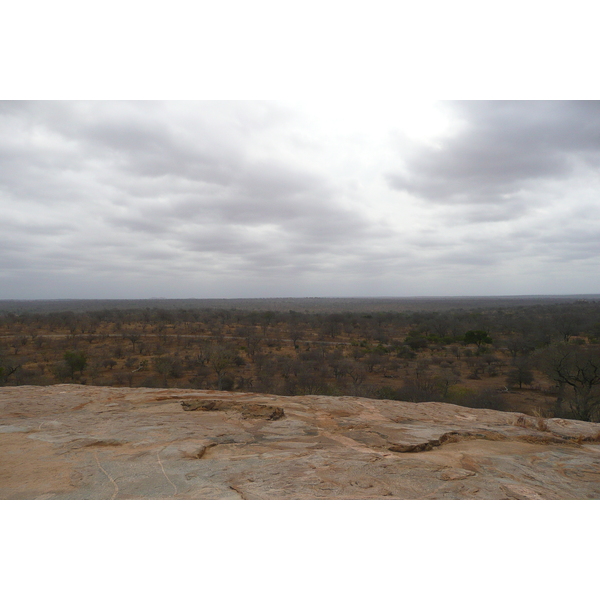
252	199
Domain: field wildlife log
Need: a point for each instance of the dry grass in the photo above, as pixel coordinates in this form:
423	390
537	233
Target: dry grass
537	423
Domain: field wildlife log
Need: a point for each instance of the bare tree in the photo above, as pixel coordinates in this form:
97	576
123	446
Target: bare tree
295	334
521	374
576	369
221	358
133	337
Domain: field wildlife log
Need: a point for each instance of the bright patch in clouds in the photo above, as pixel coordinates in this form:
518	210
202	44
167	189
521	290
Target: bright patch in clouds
421	121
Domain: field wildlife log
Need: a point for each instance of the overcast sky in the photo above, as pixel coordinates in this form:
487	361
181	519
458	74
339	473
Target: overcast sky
261	199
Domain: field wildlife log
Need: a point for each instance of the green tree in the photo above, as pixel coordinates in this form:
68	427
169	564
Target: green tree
477	336
76	361
168	366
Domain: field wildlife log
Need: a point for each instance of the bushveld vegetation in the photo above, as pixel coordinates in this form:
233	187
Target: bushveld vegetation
540	359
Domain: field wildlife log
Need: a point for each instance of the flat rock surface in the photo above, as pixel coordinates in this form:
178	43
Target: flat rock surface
84	442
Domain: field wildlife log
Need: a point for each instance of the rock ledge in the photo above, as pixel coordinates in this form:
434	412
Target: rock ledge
83	442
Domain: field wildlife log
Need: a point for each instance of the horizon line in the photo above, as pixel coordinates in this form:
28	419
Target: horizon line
575	295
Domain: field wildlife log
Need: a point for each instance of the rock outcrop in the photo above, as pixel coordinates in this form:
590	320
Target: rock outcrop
83	442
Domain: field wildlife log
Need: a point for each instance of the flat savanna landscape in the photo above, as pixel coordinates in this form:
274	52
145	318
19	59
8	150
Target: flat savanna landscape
536	355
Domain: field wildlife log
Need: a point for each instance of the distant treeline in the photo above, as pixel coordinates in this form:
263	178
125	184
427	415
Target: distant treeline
539	324
320	305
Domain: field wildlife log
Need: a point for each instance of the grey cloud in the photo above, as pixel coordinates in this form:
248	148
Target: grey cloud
572	243
273	180
267	194
466	257
204	142
503	148
36	227
228	240
295	201
138	224
508	210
